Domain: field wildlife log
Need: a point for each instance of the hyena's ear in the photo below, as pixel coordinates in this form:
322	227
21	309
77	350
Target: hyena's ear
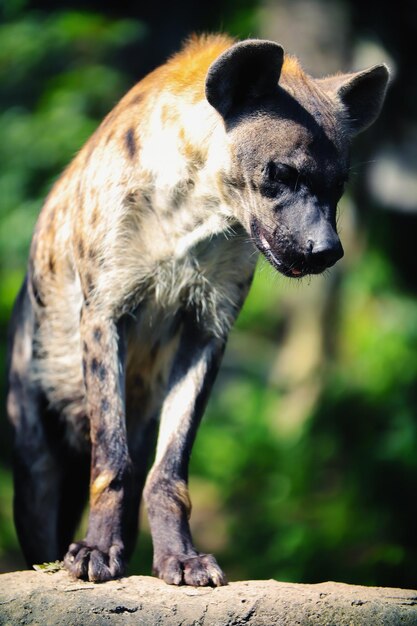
362	94
248	69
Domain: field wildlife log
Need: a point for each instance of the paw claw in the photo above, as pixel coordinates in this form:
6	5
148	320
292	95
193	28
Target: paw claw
90	563
201	570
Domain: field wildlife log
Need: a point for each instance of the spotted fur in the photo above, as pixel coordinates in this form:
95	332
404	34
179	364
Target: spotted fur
141	259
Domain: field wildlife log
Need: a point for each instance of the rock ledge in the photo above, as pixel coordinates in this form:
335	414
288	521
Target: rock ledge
54	599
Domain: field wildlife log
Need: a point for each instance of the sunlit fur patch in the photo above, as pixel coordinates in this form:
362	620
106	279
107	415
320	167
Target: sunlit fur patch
186	70
182	494
100	484
291	66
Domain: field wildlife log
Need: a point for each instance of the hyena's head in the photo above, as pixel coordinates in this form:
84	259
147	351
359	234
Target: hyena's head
289	137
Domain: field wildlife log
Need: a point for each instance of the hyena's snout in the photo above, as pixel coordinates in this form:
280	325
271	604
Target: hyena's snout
298	251
323	249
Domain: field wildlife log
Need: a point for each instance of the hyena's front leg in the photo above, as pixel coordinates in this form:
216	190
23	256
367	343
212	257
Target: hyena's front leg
166	492
100	556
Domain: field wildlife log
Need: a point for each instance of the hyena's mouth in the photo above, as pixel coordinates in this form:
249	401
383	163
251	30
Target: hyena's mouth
289	267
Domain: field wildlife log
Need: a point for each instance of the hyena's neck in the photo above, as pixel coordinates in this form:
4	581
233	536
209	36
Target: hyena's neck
184	168
176	162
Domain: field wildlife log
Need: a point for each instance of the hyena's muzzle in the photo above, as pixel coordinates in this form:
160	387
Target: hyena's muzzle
303	240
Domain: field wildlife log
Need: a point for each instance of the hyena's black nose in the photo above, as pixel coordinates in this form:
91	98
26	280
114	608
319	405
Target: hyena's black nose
324	252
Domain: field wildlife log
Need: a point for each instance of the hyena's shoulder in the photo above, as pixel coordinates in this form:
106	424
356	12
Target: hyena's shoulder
159	97
144	158
156	103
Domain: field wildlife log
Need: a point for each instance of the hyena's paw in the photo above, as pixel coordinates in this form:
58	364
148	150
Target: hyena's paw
198	571
89	563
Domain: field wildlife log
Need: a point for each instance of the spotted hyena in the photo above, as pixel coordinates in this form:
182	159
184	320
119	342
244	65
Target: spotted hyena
141	259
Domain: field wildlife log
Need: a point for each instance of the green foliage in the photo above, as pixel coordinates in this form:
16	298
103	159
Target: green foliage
57	82
8	541
49	568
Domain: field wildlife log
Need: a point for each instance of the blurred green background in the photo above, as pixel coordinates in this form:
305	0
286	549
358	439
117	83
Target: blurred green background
305	468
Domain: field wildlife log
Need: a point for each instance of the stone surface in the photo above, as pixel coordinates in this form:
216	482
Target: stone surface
54	599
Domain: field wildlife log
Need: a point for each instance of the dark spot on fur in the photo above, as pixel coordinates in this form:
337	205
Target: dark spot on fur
92	254
231	181
131	199
199	222
97	334
116	485
84	368
105	405
136	99
102	372
147	199
100	436
98	369
36	294
52	264
94	217
181	191
130	142
89	282
80	246
51	217
85	347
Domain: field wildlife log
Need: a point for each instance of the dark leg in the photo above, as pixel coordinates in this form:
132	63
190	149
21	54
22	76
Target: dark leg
101	556
74	495
39	464
37	482
166	492
50	494
144	436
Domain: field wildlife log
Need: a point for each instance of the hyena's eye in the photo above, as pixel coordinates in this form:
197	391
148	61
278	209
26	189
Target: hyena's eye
282	173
